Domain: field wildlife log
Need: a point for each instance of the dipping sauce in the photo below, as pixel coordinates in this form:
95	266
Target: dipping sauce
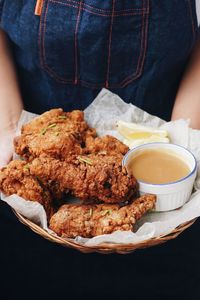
158	166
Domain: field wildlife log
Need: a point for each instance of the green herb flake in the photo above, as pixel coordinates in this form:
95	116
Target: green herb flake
52	125
62	117
106	212
43	131
57	133
90	212
26	167
85	160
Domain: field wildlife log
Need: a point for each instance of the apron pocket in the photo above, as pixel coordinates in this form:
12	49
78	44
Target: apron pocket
81	43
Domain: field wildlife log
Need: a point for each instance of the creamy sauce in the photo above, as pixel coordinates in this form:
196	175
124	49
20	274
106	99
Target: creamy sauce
158	166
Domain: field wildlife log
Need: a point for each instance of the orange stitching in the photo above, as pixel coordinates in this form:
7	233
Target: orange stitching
137	72
142	41
41	37
44	30
75	42
55	76
42	47
98	14
106	10
66	4
145	38
40	41
109	43
127	80
91	85
130	14
87	84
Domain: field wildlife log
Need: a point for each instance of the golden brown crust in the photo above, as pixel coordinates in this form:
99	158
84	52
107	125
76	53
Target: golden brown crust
92	177
55	133
16	179
57	115
74	220
58	146
106	144
62	134
64	155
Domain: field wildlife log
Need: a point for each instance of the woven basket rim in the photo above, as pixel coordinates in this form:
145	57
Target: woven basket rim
104	247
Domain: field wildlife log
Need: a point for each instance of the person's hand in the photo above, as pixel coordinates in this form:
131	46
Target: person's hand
6	147
11	104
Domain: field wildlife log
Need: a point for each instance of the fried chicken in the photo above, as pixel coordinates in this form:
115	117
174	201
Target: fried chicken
55	133
74	220
89	178
16	179
69	121
61	135
63	155
106	144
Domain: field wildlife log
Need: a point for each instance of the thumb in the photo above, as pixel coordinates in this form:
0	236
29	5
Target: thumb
4	159
6	153
6	148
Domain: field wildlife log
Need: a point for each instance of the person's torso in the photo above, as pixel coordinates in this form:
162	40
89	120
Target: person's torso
137	49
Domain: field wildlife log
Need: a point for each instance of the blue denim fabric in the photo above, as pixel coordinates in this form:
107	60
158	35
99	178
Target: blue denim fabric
136	48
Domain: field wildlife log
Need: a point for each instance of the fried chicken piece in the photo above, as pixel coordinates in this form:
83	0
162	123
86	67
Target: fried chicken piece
71	121
16	179
89	178
60	146
61	135
107	144
74	220
55	133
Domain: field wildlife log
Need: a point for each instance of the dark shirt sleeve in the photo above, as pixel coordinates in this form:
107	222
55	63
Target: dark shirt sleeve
1	9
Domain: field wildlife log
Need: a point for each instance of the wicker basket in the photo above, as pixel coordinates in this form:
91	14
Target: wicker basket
104	248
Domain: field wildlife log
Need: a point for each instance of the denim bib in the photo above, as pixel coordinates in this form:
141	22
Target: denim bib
135	48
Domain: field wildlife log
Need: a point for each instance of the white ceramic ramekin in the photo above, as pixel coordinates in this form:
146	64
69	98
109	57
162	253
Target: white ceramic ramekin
171	195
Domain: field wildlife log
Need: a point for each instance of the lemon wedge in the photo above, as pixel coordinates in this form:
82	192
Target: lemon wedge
135	135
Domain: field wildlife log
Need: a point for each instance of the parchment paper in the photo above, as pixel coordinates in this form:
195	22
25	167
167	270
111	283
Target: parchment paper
103	114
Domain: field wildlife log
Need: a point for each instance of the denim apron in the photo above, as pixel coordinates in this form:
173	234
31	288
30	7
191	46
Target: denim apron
137	49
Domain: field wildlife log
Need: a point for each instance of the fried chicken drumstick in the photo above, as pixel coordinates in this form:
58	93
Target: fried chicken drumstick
16	179
88	221
92	177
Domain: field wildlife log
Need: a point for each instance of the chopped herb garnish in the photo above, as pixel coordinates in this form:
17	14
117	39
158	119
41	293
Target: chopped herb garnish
62	117
57	133
26	167
52	125
85	160
43	131
105	212
90	212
